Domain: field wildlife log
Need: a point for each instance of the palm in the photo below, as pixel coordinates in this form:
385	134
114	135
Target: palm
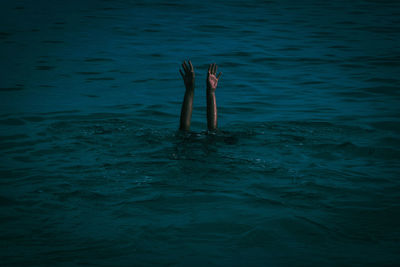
212	79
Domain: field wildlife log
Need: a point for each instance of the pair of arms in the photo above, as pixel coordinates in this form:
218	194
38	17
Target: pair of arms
187	105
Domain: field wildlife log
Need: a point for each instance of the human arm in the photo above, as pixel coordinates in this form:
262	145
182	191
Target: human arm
212	83
187	105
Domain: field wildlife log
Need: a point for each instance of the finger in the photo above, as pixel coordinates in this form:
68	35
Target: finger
219	75
191	66
213	72
183	76
185	68
209	69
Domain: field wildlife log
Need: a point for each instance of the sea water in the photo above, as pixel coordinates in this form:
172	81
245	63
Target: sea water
303	171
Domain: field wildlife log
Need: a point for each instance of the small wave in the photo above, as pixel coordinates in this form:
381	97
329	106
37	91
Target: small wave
81	194
235	54
10	89
53	42
351	150
88	73
12	122
386	90
382	80
43	67
97	59
211	28
6	201
387	125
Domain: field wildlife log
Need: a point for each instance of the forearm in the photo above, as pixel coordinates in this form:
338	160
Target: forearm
211	110
186	112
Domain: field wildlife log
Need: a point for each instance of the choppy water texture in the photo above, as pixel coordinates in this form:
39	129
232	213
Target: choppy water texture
304	170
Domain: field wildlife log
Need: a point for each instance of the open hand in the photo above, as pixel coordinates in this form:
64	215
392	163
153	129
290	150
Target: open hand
212	80
188	77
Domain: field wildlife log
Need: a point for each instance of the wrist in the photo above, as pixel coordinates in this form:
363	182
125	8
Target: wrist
211	90
190	88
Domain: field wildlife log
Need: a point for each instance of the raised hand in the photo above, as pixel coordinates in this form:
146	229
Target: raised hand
212	79
188	77
212	83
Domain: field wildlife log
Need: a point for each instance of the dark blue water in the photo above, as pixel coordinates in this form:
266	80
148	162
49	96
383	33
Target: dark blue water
304	171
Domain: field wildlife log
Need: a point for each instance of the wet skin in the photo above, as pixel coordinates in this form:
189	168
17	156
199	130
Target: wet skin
187	105
188	77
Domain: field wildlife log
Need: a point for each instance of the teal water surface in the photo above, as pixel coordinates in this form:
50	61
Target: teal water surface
303	172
